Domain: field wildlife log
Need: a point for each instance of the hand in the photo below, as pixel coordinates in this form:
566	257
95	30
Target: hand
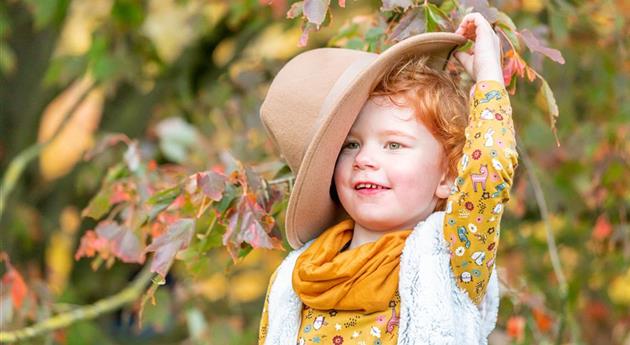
485	61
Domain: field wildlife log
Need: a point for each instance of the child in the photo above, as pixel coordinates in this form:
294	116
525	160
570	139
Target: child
398	196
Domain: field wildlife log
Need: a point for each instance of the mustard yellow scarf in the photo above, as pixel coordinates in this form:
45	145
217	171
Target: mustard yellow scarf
363	279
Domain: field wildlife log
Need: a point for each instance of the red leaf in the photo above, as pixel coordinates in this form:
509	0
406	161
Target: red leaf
91	244
13	279
411	23
543	320
250	224
111	238
123	243
212	184
536	46
516	327
119	194
176	237
342	3
514	66
603	228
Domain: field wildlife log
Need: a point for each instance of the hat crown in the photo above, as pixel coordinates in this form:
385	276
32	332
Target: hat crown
292	110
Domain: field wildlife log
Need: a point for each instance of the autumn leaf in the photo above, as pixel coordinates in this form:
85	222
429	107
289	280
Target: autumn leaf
552	107
543	320
516	327
315	11
212	184
602	229
82	106
110	238
12	281
514	66
411	23
176	237
536	46
249	224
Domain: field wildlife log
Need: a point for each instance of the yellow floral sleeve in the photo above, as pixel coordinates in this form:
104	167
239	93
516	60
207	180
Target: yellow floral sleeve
264	320
481	190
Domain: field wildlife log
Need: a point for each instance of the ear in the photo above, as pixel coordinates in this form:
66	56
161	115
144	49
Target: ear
443	189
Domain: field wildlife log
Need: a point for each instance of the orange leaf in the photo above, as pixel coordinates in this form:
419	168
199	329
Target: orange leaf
13	279
543	320
602	229
516	327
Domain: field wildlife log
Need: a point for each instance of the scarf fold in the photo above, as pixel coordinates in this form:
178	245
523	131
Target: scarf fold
363	278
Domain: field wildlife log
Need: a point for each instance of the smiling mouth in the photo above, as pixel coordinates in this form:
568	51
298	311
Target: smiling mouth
369	187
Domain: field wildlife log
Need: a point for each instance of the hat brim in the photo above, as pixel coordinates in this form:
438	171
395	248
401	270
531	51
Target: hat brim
310	209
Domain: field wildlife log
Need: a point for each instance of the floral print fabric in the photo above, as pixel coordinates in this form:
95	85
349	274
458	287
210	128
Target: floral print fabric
471	225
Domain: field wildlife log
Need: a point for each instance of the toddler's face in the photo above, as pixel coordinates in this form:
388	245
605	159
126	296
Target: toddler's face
389	148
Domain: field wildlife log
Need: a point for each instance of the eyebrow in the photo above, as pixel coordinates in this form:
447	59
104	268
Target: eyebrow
396	132
387	132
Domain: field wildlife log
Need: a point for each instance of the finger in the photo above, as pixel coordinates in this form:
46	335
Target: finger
466	60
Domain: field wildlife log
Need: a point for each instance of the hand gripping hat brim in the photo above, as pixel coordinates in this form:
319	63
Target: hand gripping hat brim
310	107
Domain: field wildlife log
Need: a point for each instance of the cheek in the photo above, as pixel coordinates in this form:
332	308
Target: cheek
415	181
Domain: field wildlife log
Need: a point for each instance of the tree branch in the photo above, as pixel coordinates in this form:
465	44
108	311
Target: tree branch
129	294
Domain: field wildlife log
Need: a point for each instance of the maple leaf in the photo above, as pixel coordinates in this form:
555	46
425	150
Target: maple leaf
249	224
411	23
111	238
123	243
212	184
536	46
176	237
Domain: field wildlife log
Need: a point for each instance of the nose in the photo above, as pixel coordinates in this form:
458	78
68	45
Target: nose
364	160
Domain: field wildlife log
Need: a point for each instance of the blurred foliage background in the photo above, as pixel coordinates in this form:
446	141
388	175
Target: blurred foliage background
186	78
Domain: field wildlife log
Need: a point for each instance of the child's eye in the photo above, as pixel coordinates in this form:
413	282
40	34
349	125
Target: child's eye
394	146
351	145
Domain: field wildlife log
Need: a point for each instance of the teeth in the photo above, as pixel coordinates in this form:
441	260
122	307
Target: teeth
369	186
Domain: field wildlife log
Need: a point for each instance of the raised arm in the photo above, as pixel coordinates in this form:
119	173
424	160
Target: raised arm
486	169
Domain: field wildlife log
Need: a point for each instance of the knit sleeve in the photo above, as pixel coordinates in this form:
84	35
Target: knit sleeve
485	173
264	320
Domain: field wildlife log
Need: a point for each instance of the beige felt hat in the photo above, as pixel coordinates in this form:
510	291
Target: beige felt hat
310	107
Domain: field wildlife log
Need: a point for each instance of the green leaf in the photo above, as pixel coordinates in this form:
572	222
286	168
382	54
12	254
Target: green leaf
440	18
510	35
552	107
161	200
99	204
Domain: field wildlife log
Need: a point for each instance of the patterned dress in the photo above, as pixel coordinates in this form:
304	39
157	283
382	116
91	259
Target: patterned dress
471	225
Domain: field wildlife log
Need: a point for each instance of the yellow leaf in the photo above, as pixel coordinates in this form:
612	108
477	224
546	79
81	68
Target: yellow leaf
275	43
60	155
59	251
619	289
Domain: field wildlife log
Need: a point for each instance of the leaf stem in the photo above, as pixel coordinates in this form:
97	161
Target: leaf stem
128	295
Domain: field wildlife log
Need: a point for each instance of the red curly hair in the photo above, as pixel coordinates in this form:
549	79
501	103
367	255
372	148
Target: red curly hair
438	103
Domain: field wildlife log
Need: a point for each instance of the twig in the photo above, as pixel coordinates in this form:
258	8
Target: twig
17	165
551	243
128	295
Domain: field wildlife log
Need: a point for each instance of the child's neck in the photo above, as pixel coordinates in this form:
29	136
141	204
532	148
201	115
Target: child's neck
362	235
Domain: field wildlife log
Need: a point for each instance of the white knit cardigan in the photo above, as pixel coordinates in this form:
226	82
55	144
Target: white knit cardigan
433	309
